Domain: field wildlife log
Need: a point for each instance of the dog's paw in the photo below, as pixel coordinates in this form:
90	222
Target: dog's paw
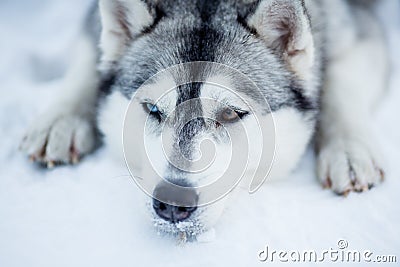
59	140
349	165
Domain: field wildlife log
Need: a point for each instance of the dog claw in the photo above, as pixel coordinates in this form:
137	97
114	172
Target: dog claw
361	189
50	164
75	159
382	174
327	184
346	192
74	156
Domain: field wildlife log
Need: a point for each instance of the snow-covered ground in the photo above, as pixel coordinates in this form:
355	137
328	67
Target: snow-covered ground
94	215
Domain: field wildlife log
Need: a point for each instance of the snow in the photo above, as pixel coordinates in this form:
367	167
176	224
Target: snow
94	215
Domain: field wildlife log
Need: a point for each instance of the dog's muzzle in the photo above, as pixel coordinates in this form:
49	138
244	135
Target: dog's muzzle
184	198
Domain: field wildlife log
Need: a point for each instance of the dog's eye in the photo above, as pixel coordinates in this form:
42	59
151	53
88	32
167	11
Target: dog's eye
231	115
153	110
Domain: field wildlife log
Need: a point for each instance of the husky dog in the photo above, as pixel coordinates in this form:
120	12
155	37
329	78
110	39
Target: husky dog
320	64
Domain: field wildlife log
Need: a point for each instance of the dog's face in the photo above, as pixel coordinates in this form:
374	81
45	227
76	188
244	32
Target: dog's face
190	112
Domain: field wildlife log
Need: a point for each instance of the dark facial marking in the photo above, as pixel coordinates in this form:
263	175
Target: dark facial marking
107	81
207	9
244	11
300	101
158	15
187	92
189	116
187	134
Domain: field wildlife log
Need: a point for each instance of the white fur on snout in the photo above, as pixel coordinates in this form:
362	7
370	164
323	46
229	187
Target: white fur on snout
155	153
200	221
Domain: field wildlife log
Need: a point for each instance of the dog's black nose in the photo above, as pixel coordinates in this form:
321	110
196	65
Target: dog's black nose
172	213
185	200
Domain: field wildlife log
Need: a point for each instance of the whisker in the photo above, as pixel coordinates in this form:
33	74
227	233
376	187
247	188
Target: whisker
122	175
128	175
138	177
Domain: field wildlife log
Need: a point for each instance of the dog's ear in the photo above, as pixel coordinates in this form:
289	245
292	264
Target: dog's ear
285	27
122	21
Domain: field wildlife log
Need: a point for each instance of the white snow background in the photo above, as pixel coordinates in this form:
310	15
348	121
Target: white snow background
94	215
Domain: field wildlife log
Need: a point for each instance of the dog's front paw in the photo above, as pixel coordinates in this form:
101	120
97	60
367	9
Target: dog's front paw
349	165
60	139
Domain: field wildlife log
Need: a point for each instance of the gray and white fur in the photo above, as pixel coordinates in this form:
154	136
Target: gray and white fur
321	65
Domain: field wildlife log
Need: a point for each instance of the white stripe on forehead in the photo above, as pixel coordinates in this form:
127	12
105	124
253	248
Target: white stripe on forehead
160	91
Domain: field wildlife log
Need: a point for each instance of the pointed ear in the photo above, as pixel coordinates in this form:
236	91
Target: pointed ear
122	21
285	26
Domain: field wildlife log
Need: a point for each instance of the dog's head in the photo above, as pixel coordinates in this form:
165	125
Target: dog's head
204	68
